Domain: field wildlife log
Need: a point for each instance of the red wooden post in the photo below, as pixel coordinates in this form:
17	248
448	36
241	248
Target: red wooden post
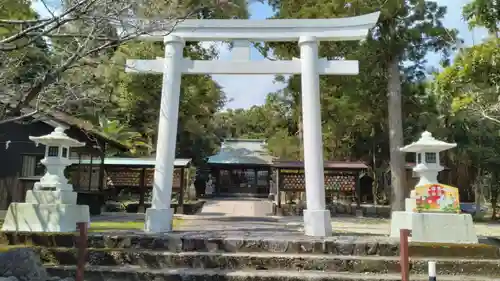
82	250
403	254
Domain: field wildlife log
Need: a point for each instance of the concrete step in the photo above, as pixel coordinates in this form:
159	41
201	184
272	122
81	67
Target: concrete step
135	273
269	242
269	261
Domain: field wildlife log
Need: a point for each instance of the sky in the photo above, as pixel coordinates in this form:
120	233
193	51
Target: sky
244	91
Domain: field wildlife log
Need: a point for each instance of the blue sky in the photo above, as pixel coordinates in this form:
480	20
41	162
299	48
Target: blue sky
248	90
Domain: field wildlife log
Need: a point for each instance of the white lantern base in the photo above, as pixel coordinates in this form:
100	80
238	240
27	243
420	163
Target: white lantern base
52	186
29	217
51	197
435	227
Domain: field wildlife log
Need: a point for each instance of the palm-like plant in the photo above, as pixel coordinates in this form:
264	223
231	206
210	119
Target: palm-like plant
121	133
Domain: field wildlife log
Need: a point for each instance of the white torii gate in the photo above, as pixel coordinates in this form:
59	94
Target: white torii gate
308	33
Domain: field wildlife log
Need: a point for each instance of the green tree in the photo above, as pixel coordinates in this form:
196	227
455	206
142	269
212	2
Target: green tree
473	81
469	89
483	13
120	132
19	68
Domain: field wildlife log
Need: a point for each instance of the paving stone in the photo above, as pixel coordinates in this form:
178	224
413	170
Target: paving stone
184	274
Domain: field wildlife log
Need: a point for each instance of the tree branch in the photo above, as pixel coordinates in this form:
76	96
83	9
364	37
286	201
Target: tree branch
59	21
17	118
486	116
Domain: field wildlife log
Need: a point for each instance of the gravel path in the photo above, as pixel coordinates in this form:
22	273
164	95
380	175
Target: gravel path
238	215
237	207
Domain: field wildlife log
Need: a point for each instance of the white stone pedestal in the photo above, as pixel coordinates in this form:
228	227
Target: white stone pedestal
410	204
158	220
51	197
317	223
435	227
46	211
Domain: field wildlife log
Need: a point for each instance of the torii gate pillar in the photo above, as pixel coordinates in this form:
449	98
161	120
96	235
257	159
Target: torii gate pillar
316	219
308	33
159	216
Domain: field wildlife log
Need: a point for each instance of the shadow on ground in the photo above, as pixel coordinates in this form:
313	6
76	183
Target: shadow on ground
212	214
242	219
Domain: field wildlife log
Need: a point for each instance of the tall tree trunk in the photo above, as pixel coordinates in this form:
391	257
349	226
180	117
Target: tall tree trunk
494	193
397	163
478	194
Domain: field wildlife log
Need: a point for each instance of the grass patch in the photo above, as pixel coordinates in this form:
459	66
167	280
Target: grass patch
103	226
106	226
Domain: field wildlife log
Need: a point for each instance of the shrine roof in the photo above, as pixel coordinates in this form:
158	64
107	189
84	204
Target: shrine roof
242	151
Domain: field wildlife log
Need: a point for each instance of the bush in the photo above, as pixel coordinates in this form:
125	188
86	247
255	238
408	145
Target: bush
114	206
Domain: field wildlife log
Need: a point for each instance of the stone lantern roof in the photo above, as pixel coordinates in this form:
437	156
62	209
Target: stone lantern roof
427	143
57	138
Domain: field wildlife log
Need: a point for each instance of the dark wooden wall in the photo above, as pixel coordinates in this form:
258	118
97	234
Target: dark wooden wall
18	134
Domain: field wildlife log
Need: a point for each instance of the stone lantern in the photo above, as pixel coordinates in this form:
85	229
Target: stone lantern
57	151
51	205
427	150
435	225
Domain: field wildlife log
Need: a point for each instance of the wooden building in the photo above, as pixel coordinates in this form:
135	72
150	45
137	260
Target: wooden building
132	175
242	167
342	182
21	167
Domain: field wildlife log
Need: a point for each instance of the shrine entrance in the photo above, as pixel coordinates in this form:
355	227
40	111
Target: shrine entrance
307	33
241	180
242	167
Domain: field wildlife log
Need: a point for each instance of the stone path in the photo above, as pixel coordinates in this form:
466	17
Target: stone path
235	217
237	207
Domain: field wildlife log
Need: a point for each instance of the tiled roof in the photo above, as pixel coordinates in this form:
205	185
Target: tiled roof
242	151
131	162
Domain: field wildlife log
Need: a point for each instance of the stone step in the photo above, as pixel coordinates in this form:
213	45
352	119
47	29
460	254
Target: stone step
269	261
135	273
272	243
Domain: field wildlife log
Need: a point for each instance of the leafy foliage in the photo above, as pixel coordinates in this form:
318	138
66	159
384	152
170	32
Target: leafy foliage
483	13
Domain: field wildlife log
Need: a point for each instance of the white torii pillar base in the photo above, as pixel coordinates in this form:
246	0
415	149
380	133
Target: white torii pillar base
46	211
158	220
317	223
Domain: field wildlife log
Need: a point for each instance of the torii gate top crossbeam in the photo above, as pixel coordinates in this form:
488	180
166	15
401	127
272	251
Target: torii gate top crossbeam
278	30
